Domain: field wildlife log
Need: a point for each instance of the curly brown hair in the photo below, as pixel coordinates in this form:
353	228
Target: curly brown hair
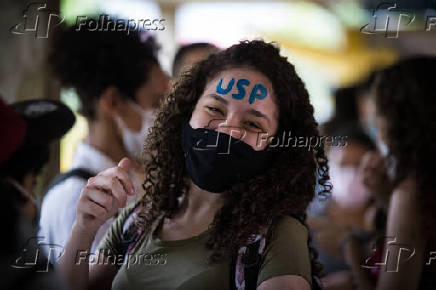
286	188
405	97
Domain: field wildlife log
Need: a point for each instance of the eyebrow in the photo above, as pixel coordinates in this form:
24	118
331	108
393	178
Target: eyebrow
218	98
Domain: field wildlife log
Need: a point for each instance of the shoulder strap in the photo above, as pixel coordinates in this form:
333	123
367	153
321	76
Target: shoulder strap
245	267
131	232
77	172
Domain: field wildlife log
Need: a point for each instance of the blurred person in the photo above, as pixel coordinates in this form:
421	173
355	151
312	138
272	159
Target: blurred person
346	209
119	83
405	110
345	112
211	220
32	126
349	193
366	106
27	128
189	54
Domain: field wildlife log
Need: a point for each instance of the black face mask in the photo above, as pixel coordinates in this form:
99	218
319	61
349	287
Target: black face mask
215	161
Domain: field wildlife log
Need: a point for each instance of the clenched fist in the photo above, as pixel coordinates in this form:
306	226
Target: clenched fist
102	196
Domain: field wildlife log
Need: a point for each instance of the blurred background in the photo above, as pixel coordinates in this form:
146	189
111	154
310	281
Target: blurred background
333	44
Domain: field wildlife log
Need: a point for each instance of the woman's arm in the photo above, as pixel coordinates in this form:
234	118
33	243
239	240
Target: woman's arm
354	255
286	260
406	254
403	250
285	282
100	200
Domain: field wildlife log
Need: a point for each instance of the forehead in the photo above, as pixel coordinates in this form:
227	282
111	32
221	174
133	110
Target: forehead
246	90
251	75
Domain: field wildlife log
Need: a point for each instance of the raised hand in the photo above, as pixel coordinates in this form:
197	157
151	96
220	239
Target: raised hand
102	196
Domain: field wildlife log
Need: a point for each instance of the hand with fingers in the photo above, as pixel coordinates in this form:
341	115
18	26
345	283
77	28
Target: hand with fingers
102	196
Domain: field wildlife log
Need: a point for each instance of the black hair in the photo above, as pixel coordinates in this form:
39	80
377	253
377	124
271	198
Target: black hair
346	104
91	61
9	198
28	159
352	130
184	50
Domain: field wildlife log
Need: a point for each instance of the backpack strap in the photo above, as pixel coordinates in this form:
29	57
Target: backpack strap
245	267
131	232
77	172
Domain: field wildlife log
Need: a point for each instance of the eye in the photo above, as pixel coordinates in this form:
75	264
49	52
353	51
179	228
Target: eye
214	110
253	125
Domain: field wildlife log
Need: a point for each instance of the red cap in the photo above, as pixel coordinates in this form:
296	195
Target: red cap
12	131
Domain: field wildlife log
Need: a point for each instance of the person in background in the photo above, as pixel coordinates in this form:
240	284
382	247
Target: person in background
188	55
405	110
119	83
366	106
346	210
26	128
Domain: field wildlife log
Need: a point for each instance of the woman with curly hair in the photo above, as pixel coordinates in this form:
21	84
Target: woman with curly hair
216	184
406	109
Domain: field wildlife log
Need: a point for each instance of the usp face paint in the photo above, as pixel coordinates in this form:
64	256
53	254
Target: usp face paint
258	92
222	91
241	90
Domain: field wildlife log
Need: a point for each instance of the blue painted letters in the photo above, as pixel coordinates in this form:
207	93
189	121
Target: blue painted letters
241	91
258	92
222	91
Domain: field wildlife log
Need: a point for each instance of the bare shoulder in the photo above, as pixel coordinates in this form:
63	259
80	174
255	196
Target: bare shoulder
404	214
404	197
407	186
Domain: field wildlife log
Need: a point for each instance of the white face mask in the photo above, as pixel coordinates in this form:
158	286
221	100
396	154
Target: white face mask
382	147
348	188
134	141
